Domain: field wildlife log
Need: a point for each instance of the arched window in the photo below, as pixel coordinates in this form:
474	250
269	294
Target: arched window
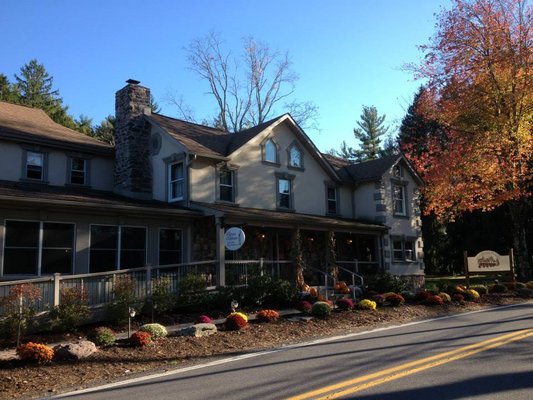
295	156
270	151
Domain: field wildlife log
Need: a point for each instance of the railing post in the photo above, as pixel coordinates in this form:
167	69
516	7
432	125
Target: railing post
261	263
57	284
149	280
220	253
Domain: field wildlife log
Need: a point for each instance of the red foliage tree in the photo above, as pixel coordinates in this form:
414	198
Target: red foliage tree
480	89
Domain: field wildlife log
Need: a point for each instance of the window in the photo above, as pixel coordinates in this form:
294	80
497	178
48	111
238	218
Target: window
270	152
397	171
398	199
295	156
114	247
170	246
284	193
331	194
36	248
176	179
34	165
403	250
225	185
78	171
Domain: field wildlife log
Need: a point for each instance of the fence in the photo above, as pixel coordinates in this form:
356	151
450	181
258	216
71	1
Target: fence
99	286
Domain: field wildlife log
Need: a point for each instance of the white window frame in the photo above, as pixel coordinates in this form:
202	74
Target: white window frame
403	251
40	247
84	171
27	164
329	199
231	186
178	181
396	199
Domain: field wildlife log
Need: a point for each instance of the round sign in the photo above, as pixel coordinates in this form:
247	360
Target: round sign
234	238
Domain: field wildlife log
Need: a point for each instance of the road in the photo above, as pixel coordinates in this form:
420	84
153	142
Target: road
481	355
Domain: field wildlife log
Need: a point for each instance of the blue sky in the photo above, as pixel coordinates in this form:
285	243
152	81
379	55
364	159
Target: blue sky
347	53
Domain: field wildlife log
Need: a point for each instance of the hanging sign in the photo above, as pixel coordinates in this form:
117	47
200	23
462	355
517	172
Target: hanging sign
234	238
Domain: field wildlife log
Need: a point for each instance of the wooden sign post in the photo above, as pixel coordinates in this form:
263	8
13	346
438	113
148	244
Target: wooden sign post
488	262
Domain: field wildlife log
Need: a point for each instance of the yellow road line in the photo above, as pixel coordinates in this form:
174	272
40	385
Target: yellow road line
376	378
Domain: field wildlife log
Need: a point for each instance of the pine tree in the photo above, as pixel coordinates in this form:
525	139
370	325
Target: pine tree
369	132
8	91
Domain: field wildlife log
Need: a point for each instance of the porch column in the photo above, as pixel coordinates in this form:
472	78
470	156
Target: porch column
220	262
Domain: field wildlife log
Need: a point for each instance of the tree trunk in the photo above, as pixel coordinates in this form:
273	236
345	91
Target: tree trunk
519	215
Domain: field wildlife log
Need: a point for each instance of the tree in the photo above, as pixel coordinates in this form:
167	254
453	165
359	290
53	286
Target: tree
106	130
8	91
246	91
480	89
369	132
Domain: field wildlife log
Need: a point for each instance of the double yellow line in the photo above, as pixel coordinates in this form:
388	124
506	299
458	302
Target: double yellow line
377	378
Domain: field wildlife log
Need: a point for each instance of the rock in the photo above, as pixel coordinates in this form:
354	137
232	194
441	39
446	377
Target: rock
75	350
198	330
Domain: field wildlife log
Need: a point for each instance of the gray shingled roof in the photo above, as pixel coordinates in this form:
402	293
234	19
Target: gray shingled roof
372	170
31	124
206	140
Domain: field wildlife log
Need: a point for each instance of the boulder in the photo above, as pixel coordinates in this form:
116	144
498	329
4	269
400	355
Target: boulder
198	330
75	350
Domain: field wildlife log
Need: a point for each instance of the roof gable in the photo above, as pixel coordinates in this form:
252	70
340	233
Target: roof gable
34	125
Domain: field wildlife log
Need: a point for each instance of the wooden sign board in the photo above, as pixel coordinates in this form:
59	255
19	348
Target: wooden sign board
489	262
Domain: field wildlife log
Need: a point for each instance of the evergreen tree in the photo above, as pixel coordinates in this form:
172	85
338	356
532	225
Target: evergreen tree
34	86
106	130
8	91
370	129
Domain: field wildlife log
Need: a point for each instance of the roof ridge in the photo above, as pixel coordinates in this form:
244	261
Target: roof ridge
191	123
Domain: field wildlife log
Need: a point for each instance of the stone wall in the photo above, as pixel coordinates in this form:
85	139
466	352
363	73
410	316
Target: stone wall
133	171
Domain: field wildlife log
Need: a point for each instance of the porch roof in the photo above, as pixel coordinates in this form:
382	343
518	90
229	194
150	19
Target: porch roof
279	219
33	194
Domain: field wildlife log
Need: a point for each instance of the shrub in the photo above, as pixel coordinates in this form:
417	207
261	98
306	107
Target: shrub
123	299
379	299
497	288
162	299
266	291
394	299
422	296
433	301
459	298
481	289
446	297
102	336
156	331
320	309
408	295
204	319
520	285
344	304
366	304
385	282
236	321
267	315
304	306
72	310
140	339
19	306
471	295
36	352
524	292
529	285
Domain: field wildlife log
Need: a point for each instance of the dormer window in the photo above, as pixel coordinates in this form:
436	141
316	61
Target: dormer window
269	149
295	156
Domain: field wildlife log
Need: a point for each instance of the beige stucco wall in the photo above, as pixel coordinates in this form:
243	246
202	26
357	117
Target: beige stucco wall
257	181
169	146
10	161
365	207
11	166
204	180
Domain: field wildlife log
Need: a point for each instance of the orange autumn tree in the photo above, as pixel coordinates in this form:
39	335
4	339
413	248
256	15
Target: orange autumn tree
479	88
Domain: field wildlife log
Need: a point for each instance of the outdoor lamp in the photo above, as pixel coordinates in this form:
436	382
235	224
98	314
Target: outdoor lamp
234	305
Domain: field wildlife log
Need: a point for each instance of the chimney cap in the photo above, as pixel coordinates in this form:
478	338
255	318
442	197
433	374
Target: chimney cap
133	82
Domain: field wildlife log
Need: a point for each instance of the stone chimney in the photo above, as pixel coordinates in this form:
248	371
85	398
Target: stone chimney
133	167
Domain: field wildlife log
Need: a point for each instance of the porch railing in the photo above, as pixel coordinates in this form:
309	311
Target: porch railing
238	272
99	286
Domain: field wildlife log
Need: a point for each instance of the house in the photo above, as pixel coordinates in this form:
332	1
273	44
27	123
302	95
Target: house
169	189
